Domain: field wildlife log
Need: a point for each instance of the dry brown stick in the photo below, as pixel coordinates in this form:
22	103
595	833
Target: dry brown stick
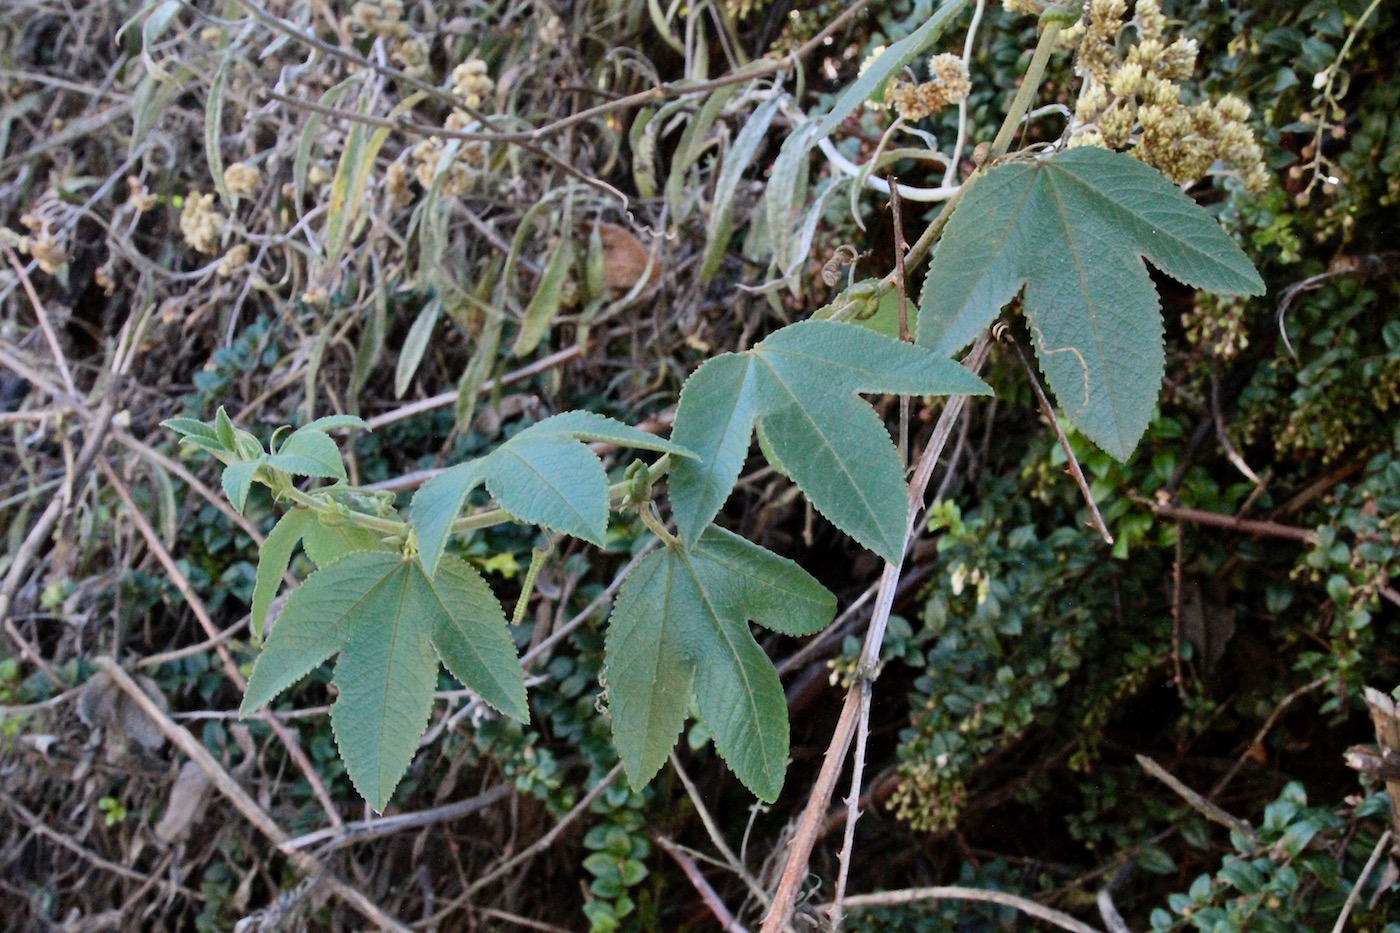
365	830
837	907
1248	526
1355	894
1386	721
727	921
814	814
716	835
1198	803
1025	905
59	360
1264	730
240	798
206	621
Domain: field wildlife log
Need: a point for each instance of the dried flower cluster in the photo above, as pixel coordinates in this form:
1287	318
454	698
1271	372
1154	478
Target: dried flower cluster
242	179
1133	101
471	83
378	18
200	223
948	83
41	243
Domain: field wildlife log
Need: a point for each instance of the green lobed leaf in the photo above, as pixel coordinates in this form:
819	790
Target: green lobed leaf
190	427
472	636
309	452
799	384
681	623
237	479
388	622
274	557
386	675
545	475
1072	230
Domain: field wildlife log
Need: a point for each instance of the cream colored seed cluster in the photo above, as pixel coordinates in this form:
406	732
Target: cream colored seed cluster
458	161
379	18
471	83
242	179
948	83
200	223
41	243
1133	101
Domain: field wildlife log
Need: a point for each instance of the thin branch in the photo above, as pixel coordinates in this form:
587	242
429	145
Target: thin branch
1355	892
716	834
953	893
1247	526
1198	803
1048	410
712	900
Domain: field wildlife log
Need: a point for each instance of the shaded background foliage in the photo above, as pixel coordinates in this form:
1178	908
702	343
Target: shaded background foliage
1030	664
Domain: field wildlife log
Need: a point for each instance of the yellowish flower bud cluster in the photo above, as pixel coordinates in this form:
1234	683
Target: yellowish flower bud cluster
1133	101
471	83
411	55
949	84
41	243
200	223
242	179
378	18
458	161
234	260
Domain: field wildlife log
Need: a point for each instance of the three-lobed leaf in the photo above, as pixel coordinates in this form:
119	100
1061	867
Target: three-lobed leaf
1072	230
545	475
389	624
680	628
799	386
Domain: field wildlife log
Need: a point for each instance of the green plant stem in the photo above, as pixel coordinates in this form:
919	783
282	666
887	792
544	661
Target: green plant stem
1021	105
282	488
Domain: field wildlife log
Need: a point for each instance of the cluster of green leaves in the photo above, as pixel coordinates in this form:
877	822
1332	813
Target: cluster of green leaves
1294	874
390	603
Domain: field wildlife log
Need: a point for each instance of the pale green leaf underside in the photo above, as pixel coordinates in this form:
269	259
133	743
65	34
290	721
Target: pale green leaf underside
545	475
309	452
1072	231
274	557
237	480
326	544
384	619
800	384
681	621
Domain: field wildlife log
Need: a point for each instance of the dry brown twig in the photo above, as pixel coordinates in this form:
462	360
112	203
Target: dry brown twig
242	800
